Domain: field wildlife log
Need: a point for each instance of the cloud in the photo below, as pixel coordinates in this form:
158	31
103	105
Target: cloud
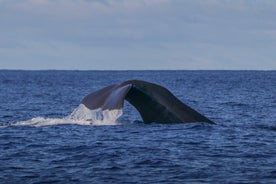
210	34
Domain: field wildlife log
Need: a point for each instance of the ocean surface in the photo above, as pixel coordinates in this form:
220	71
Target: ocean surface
45	137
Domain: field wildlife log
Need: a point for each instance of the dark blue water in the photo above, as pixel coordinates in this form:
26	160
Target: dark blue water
240	149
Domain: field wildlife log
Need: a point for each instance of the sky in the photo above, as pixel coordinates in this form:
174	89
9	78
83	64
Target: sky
138	34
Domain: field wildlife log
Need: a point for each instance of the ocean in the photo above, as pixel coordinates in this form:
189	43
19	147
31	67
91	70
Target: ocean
40	142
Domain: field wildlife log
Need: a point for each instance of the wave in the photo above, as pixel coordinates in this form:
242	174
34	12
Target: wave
80	116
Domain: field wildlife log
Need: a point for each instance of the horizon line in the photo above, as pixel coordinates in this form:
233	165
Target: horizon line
137	69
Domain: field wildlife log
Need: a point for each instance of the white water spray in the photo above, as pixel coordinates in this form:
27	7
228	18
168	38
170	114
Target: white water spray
81	116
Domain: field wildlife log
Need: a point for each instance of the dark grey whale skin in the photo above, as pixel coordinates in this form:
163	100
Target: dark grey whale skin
154	102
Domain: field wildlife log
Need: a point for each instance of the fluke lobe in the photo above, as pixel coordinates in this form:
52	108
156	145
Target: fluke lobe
154	102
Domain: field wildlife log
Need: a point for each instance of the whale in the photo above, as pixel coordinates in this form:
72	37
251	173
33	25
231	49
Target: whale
153	102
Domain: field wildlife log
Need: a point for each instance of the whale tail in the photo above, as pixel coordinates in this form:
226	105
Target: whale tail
154	102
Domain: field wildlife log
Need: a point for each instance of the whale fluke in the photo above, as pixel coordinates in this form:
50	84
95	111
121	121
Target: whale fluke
154	102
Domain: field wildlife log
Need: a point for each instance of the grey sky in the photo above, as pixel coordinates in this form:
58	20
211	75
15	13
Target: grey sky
138	34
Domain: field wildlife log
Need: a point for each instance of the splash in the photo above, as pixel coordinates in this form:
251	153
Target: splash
97	116
81	116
